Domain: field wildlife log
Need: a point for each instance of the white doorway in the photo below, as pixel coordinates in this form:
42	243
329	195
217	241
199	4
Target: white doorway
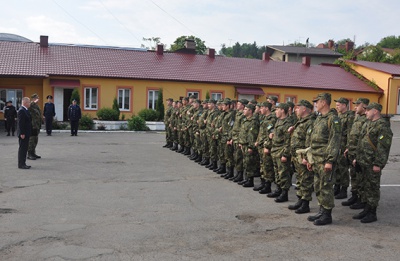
59	103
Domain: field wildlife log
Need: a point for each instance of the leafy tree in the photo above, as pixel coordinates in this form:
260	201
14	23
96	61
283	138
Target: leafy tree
245	50
180	43
160	105
391	42
152	41
207	95
116	107
377	54
75	96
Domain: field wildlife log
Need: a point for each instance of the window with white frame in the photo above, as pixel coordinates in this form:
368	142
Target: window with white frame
290	99
216	96
91	98
152	96
196	94
13	95
124	99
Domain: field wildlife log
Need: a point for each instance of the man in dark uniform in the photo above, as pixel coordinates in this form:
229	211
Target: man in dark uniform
49	112
74	115
10	114
24	132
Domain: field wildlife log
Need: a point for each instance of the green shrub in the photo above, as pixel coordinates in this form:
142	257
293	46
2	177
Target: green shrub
75	96
107	114
86	122
160	105
137	123
116	106
59	125
148	115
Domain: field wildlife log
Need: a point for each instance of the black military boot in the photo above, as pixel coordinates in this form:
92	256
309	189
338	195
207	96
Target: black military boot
227	172
218	168
193	156
266	189
336	189
181	149
187	151
213	165
166	145
353	199
234	176
198	159
249	183
371	216
205	161
297	204
209	165
363	213
277	192
342	194
358	205
230	173
325	219
283	197
261	186
36	156
239	177
316	216
31	156
304	208
174	147
222	170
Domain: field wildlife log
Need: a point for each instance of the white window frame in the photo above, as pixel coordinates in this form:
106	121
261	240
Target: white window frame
126	93
16	98
152	99
290	99
216	96
197	94
91	103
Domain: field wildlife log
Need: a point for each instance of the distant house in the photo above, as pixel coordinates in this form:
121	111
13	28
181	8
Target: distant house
295	54
134	76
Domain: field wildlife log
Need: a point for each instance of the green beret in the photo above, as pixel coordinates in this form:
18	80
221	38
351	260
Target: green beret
374	105
192	97
266	104
227	101
170	99
212	101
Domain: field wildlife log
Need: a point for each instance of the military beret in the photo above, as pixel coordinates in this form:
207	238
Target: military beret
251	106
342	100
243	101
362	100
170	99
34	96
49	97
274	98
323	96
283	106
374	105
177	101
290	104
305	103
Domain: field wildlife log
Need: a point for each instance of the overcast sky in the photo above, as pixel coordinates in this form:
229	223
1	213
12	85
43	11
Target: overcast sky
126	22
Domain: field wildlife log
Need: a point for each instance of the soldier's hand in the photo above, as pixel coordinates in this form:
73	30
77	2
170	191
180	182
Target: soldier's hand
283	159
354	163
250	151
376	169
266	151
304	162
256	144
291	129
309	166
271	135
328	167
345	152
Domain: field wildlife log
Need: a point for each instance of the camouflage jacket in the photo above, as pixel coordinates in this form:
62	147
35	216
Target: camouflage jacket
200	122
281	139
325	138
249	132
239	117
227	124
36	115
374	143
211	119
195	118
218	124
299	135
346	121
267	124
354	135
167	115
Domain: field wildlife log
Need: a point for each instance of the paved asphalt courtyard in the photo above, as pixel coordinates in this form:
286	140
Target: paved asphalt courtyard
120	196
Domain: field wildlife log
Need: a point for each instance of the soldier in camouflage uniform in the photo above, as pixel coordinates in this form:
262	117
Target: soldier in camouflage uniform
226	126
298	141
230	163
203	142
218	135
189	138
280	153
36	115
213	113
350	153
247	138
215	134
173	124
371	156
273	100
197	112
183	133
342	169
233	141
325	146
167	119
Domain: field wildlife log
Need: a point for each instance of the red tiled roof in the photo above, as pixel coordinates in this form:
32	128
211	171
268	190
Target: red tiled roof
393	69
29	59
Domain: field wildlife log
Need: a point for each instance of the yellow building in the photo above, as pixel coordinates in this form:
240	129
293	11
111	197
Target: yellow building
134	77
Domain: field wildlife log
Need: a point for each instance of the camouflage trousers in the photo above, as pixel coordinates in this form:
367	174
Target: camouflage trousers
33	141
204	145
213	148
168	134
190	138
229	155
174	135
353	177
371	186
221	151
181	137
342	172
251	162
237	157
323	187
267	167
305	181
196	144
283	177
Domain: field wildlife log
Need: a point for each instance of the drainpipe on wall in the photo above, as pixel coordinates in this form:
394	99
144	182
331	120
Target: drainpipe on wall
387	98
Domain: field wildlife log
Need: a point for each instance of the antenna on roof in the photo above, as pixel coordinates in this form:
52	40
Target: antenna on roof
307	42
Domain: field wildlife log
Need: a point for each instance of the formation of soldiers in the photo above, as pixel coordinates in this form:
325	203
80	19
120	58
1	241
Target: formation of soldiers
326	149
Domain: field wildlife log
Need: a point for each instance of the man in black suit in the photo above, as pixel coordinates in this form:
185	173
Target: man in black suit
24	132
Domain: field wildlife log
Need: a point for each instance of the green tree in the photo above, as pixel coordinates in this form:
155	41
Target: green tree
75	96
180	43
160	104
207	95
116	106
152	42
245	50
391	42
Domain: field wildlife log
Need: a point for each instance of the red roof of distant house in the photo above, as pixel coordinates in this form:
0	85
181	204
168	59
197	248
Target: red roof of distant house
393	69
31	60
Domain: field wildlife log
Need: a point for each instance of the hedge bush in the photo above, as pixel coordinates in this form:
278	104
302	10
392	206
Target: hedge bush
107	114
148	115
86	122
137	123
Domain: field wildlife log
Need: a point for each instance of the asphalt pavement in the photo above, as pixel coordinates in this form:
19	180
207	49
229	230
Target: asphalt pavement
121	196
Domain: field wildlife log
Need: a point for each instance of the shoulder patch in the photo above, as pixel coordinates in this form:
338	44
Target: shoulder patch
381	137
269	126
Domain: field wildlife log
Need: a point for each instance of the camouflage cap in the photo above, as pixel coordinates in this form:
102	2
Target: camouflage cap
186	99
305	103
362	100
197	101
266	104
283	106
291	104
342	100
243	101
212	101
205	101
251	106
227	101
220	101
192	97
253	101
274	98
34	96
374	105
178	101
323	96
170	99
